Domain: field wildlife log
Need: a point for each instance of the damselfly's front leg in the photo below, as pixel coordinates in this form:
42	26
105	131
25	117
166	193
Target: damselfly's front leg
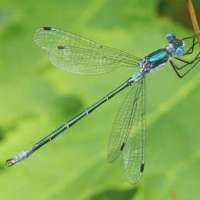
190	64
194	43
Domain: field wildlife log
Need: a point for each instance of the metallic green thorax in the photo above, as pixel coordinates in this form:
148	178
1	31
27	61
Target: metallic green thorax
158	57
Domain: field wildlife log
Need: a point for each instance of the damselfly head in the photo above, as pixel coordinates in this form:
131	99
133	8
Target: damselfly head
170	37
176	46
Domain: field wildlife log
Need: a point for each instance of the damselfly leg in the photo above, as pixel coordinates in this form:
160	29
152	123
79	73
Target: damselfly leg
193	40
186	64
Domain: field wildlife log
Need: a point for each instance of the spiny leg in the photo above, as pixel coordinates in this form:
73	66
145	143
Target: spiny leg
194	43
186	63
176	69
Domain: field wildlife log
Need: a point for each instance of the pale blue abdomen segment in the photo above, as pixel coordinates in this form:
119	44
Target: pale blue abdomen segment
158	57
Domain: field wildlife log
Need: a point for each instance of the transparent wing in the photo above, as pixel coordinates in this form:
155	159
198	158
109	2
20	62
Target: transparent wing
76	54
133	152
123	122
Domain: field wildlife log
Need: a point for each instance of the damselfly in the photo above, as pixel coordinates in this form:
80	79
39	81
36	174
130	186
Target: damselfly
74	53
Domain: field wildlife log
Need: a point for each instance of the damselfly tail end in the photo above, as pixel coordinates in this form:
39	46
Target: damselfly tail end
10	162
17	158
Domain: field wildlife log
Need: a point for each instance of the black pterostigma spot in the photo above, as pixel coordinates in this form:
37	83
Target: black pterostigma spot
142	167
122	147
60	47
47	28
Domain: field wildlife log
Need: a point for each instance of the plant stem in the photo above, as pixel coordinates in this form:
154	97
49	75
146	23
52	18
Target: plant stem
194	20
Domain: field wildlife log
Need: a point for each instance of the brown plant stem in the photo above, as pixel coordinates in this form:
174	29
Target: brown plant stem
194	20
174	196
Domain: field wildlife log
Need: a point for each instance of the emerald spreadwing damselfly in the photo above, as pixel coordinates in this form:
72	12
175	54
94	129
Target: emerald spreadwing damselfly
77	54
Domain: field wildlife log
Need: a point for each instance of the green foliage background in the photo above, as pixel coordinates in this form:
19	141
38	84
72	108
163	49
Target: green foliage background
35	98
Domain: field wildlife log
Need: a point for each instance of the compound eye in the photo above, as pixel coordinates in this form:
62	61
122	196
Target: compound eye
170	37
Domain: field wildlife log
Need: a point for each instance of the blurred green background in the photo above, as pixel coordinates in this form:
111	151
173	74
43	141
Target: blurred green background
36	97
